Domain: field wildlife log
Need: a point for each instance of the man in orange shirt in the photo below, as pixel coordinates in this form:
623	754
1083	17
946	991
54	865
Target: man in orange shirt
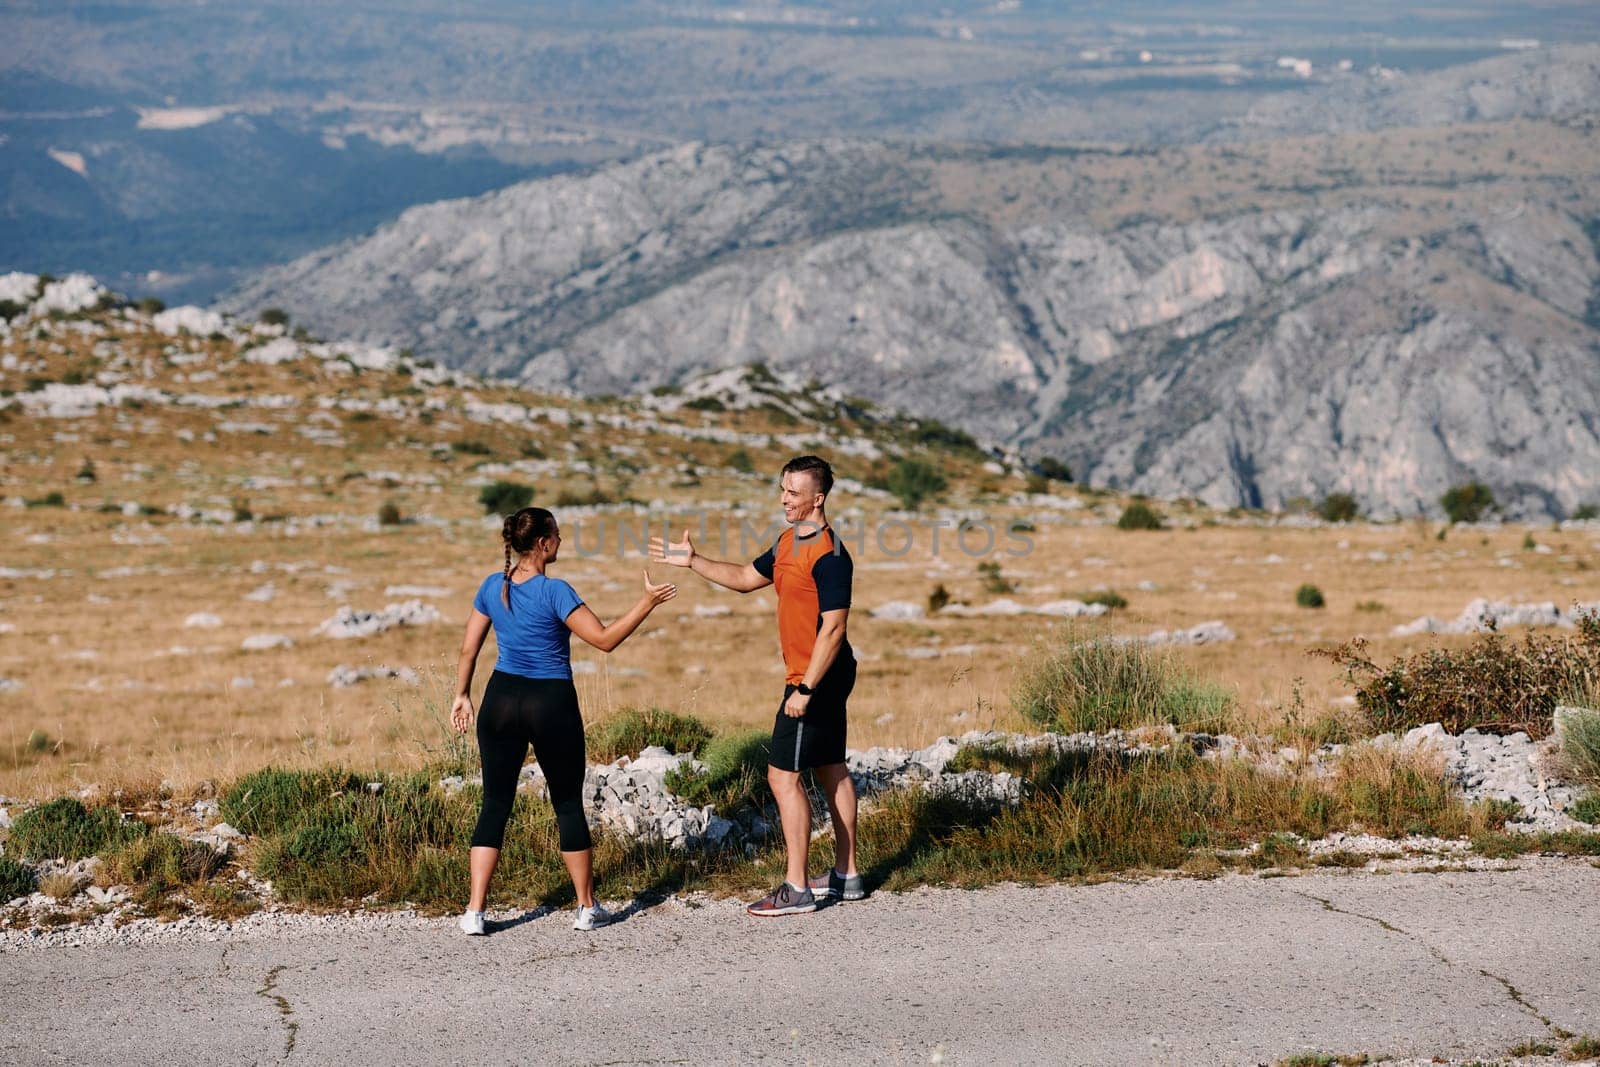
812	573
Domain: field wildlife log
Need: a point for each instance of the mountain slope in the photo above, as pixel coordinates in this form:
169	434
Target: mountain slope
1385	314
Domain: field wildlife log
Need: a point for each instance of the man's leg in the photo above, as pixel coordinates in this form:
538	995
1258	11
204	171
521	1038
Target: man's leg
840	790
794	811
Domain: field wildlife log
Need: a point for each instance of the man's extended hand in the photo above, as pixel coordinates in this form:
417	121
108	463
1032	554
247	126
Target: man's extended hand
675	553
795	706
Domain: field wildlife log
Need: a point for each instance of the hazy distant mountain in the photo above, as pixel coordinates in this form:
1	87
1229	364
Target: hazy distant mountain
199	140
1388	337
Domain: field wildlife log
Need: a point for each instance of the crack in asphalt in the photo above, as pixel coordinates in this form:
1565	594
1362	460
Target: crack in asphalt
285	1009
1512	991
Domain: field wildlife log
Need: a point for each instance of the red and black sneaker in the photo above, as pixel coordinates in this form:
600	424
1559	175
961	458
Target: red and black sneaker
784	900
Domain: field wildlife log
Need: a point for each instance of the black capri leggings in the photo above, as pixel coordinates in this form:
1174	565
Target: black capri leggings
516	712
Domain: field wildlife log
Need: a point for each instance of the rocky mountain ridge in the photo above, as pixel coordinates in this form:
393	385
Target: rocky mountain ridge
1388	340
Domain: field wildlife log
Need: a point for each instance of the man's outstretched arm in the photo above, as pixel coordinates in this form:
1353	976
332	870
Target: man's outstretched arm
740	577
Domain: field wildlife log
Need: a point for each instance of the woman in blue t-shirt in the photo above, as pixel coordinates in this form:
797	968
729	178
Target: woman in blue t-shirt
530	699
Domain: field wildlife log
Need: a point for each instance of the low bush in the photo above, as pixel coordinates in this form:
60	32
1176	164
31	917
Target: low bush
65	829
1494	684
16	879
1585	1047
389	514
913	481
503	498
938	598
1586	512
1580	745
1109	597
272	799
1467	502
1095	682
1587	809
632	730
1140	516
471	448
1338	507
735	773
159	863
1094	813
1052	468
993	580
1309	596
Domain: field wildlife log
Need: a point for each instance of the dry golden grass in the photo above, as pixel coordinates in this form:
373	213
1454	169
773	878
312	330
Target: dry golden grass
93	602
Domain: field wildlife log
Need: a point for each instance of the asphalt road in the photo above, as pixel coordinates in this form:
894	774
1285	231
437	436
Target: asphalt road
1236	970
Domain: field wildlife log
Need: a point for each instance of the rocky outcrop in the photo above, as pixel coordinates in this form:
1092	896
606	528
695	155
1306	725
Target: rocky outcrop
1385	350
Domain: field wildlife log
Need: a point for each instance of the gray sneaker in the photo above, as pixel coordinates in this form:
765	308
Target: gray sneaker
836	886
784	900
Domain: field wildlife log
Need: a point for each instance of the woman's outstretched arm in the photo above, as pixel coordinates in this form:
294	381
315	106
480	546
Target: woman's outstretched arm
471	644
587	625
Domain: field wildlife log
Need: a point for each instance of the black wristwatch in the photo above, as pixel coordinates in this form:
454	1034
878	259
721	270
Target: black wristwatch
804	690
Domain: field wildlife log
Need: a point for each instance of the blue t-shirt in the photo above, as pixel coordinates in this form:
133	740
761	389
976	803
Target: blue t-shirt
533	636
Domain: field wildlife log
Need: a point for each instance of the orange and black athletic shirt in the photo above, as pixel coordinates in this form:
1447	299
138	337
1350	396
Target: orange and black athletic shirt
812	575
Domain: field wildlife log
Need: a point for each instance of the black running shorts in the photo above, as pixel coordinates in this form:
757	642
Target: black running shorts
817	738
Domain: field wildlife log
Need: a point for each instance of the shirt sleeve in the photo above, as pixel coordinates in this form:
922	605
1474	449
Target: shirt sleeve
480	603
765	562
563	598
832	573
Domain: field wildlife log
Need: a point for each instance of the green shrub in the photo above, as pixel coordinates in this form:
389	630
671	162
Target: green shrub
1140	516
1587	809
1109	597
584	498
1467	502
1338	507
152	305
65	829
86	471
389	514
1586	511
471	448
937	599
1309	596
16	879
740	461
734	775
1580	745
159	863
270	800
1372	607
1052	468
993	580
1084	682
10	309
49	500
913	481
1492	684
632	730
1583	1048
503	498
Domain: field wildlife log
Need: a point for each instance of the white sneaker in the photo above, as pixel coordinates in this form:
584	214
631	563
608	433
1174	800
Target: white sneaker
590	918
471	922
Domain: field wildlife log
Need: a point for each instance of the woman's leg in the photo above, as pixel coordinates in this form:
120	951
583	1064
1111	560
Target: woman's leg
503	746
558	746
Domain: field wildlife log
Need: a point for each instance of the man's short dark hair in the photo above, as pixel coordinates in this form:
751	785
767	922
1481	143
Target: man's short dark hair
816	466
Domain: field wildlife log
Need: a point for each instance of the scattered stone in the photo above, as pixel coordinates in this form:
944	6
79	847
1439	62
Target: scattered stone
898	611
265	642
202	620
1484	614
187	319
343	676
348	623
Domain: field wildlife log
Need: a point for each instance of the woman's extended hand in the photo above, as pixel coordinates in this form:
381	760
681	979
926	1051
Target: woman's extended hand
658	594
461	714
